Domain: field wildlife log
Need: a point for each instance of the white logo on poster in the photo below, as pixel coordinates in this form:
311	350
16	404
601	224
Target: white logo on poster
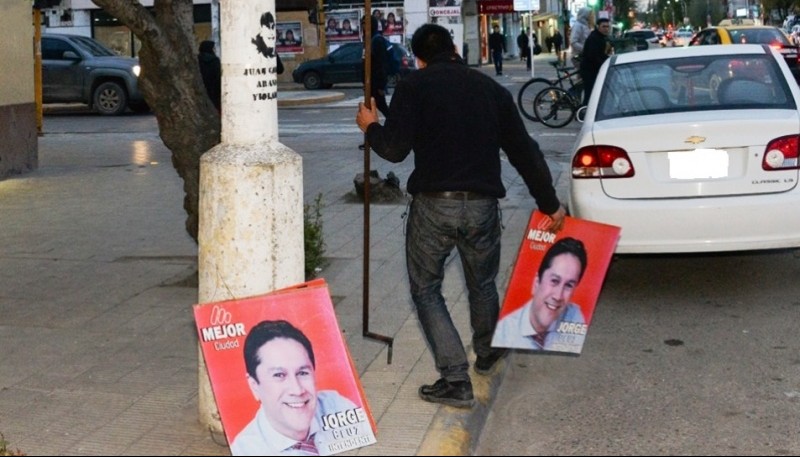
221	328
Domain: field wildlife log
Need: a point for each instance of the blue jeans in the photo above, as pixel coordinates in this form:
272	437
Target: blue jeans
497	58
435	227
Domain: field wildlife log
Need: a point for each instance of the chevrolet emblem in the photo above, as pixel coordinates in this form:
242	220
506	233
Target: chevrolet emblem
695	139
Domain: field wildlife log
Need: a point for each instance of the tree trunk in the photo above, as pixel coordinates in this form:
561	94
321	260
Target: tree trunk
170	80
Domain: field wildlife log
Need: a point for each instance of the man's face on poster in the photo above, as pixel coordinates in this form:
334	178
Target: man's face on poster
286	387
553	291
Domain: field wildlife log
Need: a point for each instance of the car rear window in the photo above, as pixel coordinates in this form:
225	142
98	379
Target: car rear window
694	84
759	36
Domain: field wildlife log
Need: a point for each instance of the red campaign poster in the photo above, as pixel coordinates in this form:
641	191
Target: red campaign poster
282	375
555	284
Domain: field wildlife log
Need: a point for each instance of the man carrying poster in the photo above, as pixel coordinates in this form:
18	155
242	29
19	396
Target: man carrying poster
280	371
549	321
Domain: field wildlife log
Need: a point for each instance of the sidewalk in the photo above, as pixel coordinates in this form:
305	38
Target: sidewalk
99	347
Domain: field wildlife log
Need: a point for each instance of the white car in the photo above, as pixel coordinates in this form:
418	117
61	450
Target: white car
682	37
692	150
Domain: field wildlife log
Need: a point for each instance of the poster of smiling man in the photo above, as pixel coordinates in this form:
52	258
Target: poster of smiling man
555	285
282	375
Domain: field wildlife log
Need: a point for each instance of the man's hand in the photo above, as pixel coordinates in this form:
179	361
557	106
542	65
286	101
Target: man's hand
366	116
556	220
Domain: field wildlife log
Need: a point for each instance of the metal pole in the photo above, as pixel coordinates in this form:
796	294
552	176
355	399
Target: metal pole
37	67
531	43
368	102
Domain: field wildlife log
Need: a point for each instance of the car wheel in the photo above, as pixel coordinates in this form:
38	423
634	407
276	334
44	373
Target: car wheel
393	79
312	80
110	99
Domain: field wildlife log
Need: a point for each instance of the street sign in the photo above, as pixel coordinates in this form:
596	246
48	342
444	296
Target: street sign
526	5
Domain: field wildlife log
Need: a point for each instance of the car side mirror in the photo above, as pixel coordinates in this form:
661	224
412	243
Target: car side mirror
70	55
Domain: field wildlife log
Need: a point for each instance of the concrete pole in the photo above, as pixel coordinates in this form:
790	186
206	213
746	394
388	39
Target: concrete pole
251	186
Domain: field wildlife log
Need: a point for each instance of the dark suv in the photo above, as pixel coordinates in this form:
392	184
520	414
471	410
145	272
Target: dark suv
79	69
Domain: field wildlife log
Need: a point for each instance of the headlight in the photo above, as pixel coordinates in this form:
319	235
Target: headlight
136	70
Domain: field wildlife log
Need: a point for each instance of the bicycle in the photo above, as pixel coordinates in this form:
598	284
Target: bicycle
528	92
556	107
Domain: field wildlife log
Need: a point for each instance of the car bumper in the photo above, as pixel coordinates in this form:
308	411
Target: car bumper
739	223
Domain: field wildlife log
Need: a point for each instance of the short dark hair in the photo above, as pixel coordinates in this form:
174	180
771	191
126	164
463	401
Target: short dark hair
602	20
430	40
268	20
564	246
266	331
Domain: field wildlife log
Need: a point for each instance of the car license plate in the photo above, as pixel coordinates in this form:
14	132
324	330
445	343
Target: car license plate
698	164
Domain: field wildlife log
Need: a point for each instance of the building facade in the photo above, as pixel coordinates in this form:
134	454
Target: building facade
18	132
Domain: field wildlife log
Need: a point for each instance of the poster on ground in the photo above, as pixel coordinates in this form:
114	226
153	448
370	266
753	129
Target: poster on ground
282	375
555	285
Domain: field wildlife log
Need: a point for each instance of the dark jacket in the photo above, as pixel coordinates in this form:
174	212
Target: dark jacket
456	119
497	42
379	61
211	72
595	52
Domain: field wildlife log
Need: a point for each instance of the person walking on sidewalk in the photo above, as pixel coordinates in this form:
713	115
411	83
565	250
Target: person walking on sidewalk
596	50
497	45
455	185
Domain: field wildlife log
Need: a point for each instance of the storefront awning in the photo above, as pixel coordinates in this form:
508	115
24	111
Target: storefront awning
495	6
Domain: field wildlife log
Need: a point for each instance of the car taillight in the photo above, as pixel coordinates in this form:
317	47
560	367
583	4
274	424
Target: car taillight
601	162
404	61
782	153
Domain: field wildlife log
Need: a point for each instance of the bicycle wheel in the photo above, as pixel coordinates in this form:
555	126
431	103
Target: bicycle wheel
554	107
527	94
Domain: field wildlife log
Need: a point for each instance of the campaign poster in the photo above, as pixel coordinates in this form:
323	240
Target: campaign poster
282	375
290	37
343	26
450	9
391	23
554	286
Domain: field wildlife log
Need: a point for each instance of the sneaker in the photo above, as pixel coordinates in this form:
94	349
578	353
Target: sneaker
458	394
484	365
361	146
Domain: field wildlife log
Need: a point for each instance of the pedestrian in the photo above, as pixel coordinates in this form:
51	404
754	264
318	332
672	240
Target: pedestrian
456	184
549	43
522	44
211	72
558	40
596	50
497	46
580	32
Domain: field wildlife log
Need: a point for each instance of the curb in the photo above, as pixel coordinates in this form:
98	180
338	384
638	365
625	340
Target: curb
455	431
297	98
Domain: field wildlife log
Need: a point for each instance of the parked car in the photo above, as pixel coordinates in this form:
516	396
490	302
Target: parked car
682	170
645	39
345	65
80	69
742	34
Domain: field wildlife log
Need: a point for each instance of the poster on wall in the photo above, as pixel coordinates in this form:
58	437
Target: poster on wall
391	22
342	26
282	375
290	37
555	284
450	9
